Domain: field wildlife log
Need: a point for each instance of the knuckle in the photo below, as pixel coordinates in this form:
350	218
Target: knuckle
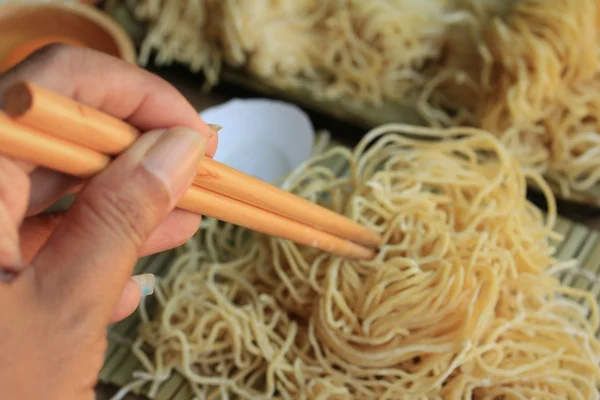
54	53
129	211
52	59
116	212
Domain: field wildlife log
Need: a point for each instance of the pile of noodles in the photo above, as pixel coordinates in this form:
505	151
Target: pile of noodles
361	50
461	302
529	72
525	70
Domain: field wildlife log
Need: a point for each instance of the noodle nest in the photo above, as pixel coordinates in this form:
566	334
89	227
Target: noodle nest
525	70
461	302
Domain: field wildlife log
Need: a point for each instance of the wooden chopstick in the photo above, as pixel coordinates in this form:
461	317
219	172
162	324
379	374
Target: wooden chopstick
30	145
26	143
65	118
21	141
68	120
203	201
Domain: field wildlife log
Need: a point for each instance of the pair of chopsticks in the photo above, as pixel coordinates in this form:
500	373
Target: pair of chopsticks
60	134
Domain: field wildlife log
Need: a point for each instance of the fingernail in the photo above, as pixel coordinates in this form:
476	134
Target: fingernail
215	128
146	282
174	158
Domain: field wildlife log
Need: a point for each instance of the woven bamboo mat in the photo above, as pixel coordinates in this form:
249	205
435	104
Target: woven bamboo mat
579	242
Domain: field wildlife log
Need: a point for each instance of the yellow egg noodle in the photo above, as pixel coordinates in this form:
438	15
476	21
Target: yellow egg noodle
361	50
525	70
460	303
528	71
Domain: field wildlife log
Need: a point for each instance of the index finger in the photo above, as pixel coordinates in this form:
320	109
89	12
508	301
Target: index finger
114	86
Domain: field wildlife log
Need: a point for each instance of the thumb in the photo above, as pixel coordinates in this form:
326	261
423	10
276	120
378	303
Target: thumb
87	261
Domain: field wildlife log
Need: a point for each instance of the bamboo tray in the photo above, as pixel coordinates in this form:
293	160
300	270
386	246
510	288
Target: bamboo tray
580	242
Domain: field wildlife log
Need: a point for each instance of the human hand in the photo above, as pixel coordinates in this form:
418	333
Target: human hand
72	270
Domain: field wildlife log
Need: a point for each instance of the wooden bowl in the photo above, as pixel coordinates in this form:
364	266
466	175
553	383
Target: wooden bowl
25	28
